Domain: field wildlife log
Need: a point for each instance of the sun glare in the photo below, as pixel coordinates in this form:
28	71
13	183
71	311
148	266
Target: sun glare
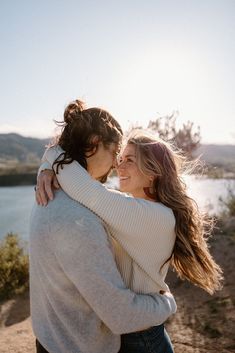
160	84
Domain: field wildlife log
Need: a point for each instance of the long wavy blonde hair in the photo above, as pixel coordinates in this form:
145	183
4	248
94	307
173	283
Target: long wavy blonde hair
191	257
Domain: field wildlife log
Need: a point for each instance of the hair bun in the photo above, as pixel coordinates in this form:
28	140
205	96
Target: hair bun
73	111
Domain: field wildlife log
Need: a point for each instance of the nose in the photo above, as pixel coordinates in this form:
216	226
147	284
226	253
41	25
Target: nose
121	165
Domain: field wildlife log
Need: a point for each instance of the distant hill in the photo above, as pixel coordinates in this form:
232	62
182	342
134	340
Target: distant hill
24	149
218	155
20	148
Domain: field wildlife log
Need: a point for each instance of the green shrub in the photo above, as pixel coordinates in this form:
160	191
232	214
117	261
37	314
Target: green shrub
14	267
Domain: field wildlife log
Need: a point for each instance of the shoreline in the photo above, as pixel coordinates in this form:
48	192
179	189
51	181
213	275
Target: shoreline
27	179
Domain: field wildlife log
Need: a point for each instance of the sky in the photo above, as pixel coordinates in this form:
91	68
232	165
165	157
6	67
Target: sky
138	59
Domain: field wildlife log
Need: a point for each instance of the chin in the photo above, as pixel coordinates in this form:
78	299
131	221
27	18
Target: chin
104	177
123	189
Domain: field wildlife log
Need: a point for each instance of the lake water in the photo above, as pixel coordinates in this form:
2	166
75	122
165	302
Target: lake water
16	202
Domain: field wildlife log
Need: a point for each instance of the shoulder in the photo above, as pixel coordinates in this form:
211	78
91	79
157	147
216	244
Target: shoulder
82	232
157	212
66	213
163	209
152	205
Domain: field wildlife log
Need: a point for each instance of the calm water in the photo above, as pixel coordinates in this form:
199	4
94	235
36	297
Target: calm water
16	202
15	207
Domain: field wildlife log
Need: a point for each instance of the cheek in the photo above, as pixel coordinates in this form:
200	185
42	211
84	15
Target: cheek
110	161
107	158
141	180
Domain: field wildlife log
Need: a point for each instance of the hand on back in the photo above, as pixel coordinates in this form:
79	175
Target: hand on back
46	184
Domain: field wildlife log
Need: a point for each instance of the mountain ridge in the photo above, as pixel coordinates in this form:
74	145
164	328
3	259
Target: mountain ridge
14	146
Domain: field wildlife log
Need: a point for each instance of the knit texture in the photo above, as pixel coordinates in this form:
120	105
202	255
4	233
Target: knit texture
79	303
143	231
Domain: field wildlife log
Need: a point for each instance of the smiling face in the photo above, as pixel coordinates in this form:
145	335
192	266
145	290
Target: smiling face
131	179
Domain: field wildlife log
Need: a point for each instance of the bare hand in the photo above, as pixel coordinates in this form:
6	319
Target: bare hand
46	182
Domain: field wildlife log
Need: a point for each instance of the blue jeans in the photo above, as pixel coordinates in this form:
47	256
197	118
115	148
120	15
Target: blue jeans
40	348
153	340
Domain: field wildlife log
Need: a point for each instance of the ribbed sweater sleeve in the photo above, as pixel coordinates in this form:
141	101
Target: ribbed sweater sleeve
145	229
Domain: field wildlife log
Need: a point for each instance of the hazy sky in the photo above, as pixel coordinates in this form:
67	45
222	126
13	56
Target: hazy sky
137	59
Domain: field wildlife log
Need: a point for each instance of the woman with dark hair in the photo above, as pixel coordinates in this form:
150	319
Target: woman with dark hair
158	225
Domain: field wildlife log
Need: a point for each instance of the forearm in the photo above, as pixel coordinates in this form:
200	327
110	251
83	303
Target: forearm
142	312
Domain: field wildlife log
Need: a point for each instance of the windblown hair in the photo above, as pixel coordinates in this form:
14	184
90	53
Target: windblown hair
79	128
191	257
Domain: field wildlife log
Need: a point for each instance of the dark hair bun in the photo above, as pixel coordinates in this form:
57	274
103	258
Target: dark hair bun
73	111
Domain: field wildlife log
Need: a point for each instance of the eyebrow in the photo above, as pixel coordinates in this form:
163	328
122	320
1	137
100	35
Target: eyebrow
129	155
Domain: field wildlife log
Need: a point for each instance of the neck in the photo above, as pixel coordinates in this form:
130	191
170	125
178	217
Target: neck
142	195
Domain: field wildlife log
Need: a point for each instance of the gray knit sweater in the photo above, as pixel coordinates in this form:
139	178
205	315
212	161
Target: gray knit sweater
79	303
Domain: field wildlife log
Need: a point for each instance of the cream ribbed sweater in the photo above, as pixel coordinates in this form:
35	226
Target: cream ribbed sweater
142	231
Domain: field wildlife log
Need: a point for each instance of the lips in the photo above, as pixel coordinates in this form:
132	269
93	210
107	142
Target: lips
122	178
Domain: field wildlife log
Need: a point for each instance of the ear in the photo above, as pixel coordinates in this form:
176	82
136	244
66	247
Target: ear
95	139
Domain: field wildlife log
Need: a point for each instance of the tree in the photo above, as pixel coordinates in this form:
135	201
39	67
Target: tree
183	138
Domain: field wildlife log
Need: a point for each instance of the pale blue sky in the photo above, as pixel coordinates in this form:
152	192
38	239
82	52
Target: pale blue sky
138	59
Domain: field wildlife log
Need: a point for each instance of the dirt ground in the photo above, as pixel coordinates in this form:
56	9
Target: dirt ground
202	324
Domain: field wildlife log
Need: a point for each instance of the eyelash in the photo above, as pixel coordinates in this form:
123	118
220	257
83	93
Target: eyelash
127	160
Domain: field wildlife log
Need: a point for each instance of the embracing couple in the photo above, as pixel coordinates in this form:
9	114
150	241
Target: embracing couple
99	257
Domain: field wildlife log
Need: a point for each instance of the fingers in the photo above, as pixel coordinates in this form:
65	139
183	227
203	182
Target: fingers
55	183
38	198
45	183
167	294
41	194
44	187
48	181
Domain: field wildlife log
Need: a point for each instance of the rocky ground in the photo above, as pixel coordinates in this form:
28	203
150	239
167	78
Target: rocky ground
202	324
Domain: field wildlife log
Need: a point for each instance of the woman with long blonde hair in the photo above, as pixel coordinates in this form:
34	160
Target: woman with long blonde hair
190	256
154	226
